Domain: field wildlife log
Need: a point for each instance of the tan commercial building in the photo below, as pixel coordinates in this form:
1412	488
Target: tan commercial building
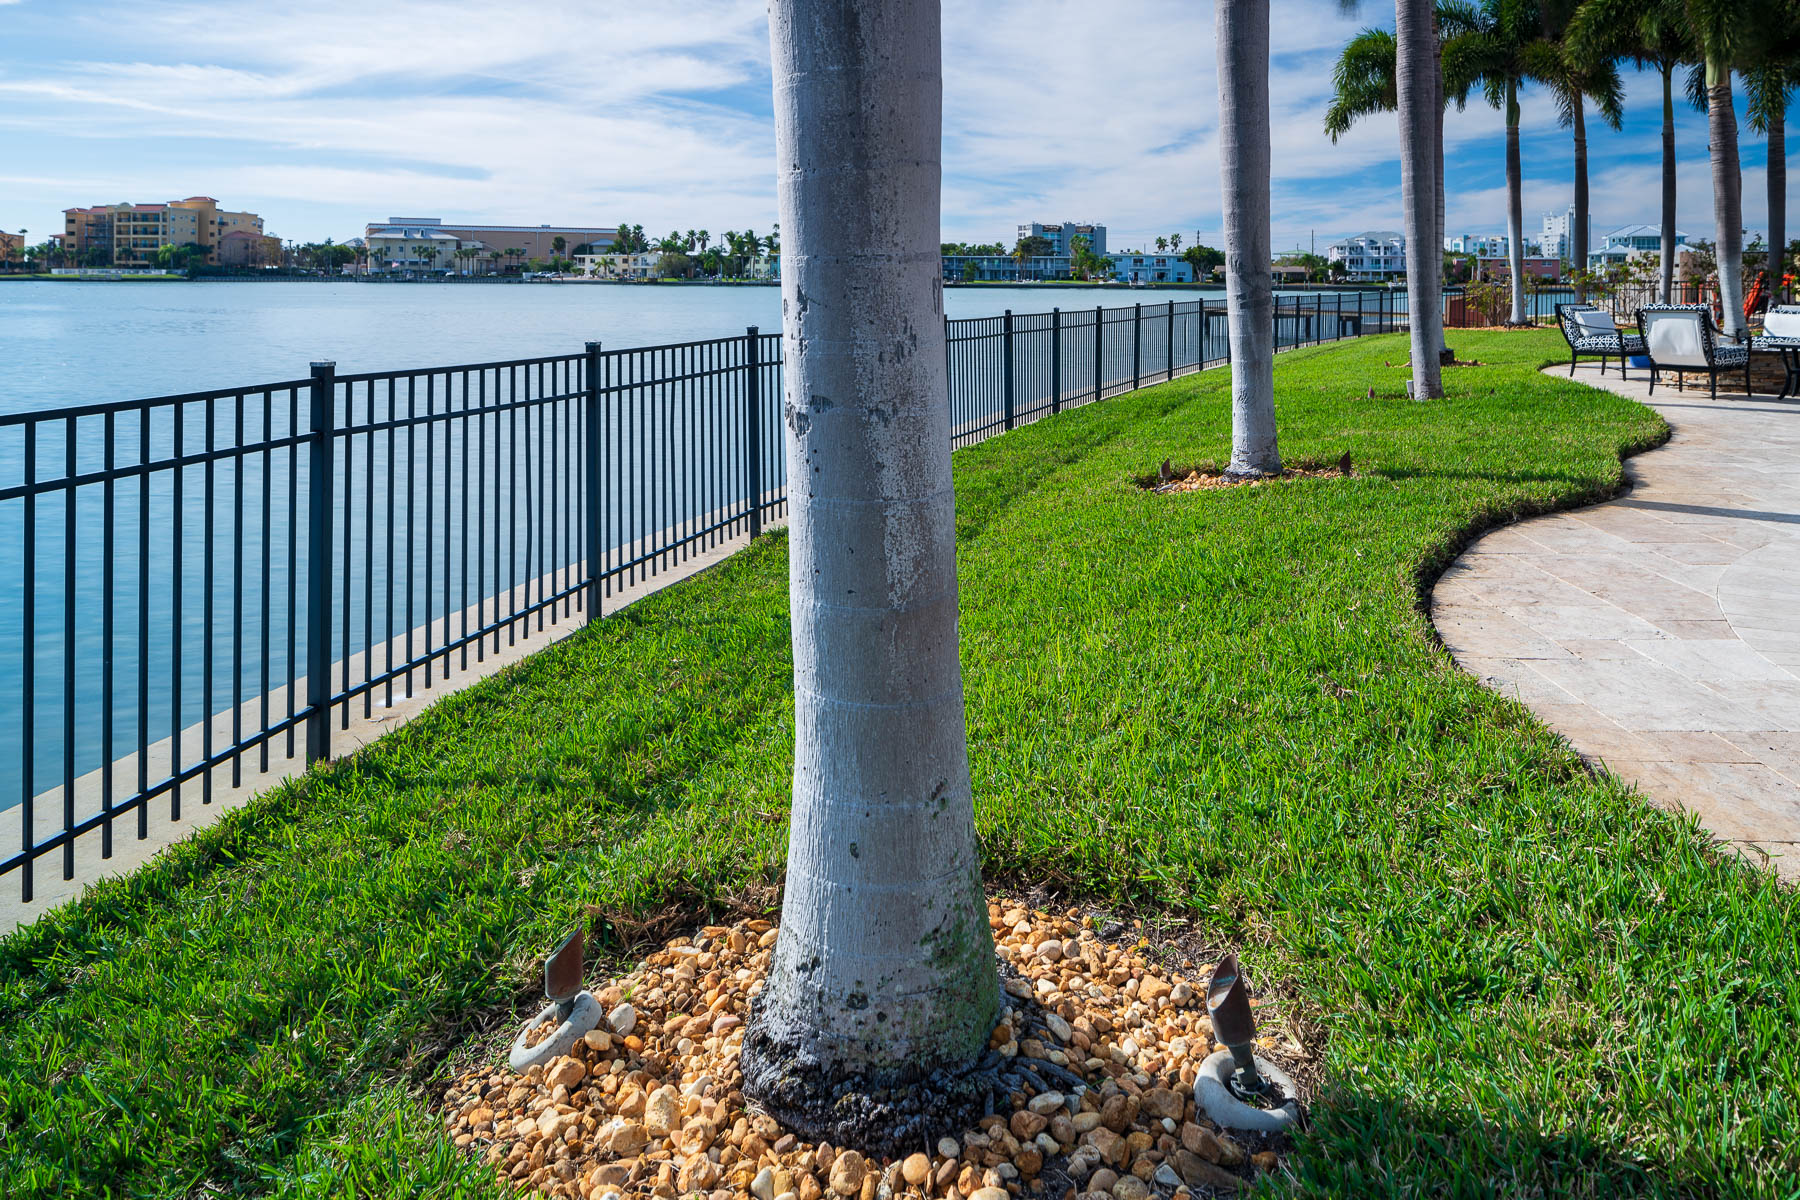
12	246
129	235
428	242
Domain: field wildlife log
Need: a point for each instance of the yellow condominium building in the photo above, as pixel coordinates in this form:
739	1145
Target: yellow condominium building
129	235
12	246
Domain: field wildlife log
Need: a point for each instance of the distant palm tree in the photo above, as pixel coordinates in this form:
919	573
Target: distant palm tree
1162	244
1175	243
1767	88
557	243
703	238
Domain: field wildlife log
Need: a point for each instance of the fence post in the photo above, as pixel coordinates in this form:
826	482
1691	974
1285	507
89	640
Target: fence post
753	428
1007	338
1099	345
593	480
319	501
1055	361
1137	344
1169	350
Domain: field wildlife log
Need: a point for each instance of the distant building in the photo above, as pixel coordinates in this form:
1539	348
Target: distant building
1372	257
1536	266
1630	241
12	246
390	249
1062	236
532	241
243	248
129	235
1151	268
1558	238
640	265
1004	268
1486	245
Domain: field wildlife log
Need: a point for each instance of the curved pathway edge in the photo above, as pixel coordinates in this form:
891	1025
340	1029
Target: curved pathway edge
1659	632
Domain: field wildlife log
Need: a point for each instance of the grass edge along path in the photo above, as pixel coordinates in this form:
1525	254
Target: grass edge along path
1224	704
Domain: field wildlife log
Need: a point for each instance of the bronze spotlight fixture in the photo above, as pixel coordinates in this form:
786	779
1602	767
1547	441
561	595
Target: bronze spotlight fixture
1228	1004
562	973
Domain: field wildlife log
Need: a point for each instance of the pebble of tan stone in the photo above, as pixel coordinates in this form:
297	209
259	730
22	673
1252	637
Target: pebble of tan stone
1045	1103
1026	1124
947	1148
622	1020
1165	1176
1230	1153
1050	950
763	1186
1029	1160
1180	994
1084	1122
847	1170
598	1039
1265	1160
1059	1028
1102	1180
1130	1187
916	1169
990	1193
661	1112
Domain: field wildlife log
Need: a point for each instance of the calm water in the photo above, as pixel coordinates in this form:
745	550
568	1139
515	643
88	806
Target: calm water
76	343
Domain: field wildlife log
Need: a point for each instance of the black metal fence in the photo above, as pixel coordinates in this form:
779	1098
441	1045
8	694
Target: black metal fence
187	581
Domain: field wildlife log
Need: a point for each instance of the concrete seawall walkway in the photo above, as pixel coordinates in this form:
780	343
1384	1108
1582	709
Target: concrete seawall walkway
1660	632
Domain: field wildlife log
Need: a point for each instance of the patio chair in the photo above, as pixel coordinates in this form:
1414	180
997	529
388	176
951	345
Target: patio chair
1590	332
1681	337
1781	334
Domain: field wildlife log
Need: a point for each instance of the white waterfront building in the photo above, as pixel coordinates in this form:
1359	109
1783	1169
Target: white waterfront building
1373	257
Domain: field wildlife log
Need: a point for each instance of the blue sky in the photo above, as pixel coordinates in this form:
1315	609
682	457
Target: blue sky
325	114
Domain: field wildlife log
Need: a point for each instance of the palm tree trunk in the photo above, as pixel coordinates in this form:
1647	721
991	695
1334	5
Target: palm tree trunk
1416	59
884	968
1437	152
1777	172
1728	188
1668	183
1579	235
1242	36
1515	206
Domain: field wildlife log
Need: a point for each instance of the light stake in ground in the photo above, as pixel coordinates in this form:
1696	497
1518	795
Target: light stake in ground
1228	1003
570	1013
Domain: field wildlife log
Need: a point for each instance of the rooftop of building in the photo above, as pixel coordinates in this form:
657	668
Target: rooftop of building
428	222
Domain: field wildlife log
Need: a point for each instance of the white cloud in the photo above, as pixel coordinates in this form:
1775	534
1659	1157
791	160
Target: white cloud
325	113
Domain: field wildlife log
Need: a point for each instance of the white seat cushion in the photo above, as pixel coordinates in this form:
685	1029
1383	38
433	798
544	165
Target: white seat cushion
1674	339
1592	322
1782	322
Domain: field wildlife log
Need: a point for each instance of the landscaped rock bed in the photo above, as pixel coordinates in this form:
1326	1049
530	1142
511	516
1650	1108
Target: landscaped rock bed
1209	477
649	1104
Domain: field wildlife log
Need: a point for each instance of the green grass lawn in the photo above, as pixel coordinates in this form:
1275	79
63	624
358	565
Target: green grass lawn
1226	704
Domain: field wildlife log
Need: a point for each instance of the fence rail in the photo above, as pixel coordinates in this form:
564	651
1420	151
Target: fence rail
218	575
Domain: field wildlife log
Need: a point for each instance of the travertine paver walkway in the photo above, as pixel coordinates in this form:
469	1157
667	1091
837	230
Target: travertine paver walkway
1660	632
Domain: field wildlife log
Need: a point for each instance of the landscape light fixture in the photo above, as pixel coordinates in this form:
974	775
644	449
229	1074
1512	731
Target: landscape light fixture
1228	1004
562	973
570	1013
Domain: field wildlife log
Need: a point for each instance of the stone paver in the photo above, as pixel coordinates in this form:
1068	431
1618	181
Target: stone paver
1660	632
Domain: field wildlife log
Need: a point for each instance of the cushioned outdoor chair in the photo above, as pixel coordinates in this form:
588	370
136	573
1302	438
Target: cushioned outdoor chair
1590	332
1681	337
1781	334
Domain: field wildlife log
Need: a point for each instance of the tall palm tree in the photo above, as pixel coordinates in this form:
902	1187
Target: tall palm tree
884	971
1241	34
1162	244
1175	243
1366	81
1509	48
703	237
1418	96
1653	34
1573	80
1725	33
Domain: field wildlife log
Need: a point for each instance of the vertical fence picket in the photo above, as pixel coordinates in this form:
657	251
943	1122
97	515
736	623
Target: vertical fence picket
318	564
